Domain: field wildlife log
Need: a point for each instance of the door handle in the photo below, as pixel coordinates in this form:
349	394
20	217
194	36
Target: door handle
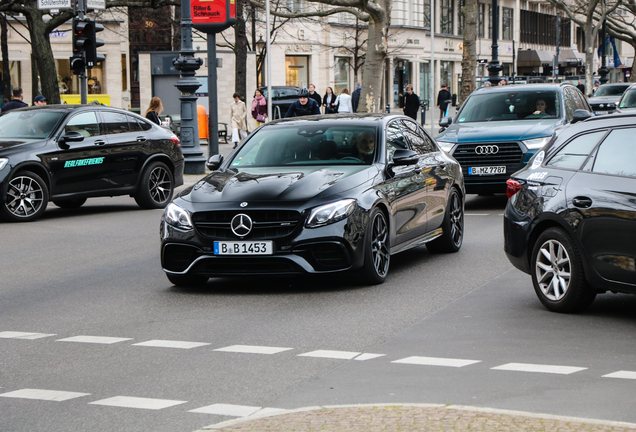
100	142
141	139
582	202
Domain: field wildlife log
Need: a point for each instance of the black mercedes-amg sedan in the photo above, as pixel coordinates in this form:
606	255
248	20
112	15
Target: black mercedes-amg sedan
68	153
317	194
570	221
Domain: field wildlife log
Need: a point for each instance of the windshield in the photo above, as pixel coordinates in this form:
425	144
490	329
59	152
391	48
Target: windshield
610	90
513	105
308	144
30	124
629	99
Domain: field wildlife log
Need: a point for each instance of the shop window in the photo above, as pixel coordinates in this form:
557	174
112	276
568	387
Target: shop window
296	71
341	74
482	19
14	73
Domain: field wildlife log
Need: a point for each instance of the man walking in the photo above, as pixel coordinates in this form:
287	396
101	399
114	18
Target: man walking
355	97
16	102
443	99
581	87
313	94
411	103
39	100
303	106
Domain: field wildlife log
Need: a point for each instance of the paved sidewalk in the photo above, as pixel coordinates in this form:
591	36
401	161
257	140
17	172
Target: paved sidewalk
414	417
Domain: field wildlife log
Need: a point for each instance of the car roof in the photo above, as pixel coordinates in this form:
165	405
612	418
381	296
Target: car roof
344	117
598	122
69	108
616	85
521	88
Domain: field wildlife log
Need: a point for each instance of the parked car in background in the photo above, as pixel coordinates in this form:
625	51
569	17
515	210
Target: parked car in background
68	153
316	195
498	129
628	100
283	97
606	98
570	221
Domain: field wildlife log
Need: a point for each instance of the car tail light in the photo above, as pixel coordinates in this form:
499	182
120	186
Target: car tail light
513	187
175	140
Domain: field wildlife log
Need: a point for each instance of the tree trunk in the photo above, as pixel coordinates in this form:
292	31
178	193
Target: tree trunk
41	48
379	20
6	72
590	37
240	51
469	56
35	79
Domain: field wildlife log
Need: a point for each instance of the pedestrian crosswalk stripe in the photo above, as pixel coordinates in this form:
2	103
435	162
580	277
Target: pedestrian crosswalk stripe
368	356
137	402
47	395
253	349
552	369
227	410
94	339
621	374
22	335
341	355
171	344
436	361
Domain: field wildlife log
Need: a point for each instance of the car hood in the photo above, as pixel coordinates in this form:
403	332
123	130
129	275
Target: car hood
499	131
14	142
604	99
278	184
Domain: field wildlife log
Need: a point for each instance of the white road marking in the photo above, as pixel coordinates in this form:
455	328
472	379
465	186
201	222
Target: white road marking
524	367
227	410
368	356
171	344
476	214
341	355
137	402
47	395
94	339
621	374
253	349
22	335
436	361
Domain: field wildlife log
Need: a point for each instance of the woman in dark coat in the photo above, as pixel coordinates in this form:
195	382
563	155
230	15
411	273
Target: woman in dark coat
329	102
411	103
154	110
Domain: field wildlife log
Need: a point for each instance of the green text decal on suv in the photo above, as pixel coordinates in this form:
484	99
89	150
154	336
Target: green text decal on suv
498	129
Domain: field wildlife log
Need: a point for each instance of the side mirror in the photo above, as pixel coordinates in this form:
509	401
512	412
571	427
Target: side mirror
446	122
70	136
214	162
580	115
405	157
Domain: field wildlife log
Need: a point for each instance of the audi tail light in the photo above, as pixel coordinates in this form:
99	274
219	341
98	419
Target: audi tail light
175	140
513	186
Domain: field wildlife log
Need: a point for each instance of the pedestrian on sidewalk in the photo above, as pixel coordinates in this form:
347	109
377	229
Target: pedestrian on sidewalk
313	94
355	97
411	103
259	108
238	114
329	102
154	110
303	106
443	99
343	101
16	102
39	100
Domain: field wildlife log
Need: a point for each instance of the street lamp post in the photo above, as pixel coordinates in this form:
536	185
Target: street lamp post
603	70
494	67
260	44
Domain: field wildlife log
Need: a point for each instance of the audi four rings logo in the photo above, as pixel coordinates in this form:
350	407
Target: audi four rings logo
241	225
487	149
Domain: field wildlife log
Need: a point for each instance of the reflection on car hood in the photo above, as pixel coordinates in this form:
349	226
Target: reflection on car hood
8	143
286	184
499	131
604	99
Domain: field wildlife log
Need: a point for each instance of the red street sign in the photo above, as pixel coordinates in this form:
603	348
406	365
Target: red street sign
213	16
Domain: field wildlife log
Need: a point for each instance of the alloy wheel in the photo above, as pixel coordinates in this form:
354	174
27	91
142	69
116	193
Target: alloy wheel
160	186
379	247
553	270
456	221
25	197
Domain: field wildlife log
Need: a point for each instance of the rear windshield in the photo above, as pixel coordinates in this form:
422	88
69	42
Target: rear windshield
610	90
35	124
513	105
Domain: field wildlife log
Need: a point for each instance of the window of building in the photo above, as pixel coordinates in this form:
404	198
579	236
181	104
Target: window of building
296	71
489	21
341	74
447	16
425	83
460	17
539	28
427	14
295	6
482	20
446	74
507	24
14	72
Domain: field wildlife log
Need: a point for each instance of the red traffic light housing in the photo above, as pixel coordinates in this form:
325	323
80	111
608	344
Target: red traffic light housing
85	42
78	65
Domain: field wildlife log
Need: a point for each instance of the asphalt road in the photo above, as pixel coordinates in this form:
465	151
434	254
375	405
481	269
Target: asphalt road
94	337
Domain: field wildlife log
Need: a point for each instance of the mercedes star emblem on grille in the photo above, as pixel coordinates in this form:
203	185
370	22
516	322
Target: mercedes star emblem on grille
241	225
487	149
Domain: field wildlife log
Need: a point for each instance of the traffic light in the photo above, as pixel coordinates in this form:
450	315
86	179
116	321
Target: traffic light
92	58
79	37
78	65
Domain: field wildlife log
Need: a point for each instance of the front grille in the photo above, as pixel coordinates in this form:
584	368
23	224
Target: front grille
245	266
267	224
509	154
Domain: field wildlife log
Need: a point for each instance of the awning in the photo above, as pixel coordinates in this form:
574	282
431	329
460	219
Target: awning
534	58
568	57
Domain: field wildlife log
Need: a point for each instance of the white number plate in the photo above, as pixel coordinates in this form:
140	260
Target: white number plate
244	248
487	170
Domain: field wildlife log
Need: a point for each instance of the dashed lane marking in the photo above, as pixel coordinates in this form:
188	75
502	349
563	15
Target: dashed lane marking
227	410
368	356
23	335
476	214
137	402
622	375
253	349
171	344
341	355
47	395
436	361
551	369
94	339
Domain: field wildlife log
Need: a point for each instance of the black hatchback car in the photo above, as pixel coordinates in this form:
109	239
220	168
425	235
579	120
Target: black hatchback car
67	154
498	129
316	194
570	221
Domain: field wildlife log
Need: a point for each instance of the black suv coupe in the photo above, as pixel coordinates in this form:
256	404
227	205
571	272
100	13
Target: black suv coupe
283	97
67	153
570	221
498	129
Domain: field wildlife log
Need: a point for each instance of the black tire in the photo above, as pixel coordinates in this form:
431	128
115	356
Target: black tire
187	280
156	186
377	256
453	226
27	198
557	273
72	203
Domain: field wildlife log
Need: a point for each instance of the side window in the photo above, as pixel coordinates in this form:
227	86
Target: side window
84	123
394	140
570	103
134	126
115	123
420	141
574	153
145	125
581	102
617	154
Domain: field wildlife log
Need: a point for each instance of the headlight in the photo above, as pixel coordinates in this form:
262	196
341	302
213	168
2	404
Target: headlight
536	143
446	146
330	213
3	162
177	217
